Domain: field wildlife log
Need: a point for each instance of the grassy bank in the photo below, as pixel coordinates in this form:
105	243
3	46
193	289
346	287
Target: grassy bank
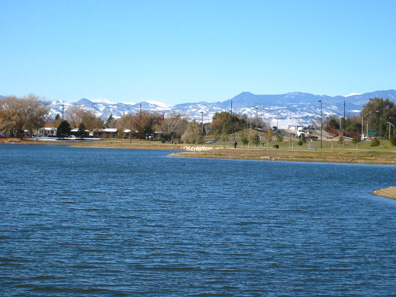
105	143
286	151
309	152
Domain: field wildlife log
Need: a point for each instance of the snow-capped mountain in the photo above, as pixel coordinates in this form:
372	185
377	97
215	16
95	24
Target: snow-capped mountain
280	110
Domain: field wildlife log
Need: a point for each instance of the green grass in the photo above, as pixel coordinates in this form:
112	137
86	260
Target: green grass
292	145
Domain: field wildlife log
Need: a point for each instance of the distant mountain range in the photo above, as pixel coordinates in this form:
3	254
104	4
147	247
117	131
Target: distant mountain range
282	110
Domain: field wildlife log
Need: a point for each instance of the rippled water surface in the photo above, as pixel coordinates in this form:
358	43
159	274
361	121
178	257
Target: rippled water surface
98	222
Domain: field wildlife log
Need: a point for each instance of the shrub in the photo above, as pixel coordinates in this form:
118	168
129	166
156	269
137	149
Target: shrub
300	142
279	137
255	139
392	140
375	142
356	139
245	140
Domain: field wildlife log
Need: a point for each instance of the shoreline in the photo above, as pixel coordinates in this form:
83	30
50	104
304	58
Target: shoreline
346	156
326	156
386	192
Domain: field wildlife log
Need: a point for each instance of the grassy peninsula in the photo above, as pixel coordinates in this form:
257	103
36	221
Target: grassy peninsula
333	152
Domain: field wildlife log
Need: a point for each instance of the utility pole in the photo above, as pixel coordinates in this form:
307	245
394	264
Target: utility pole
344	117
380	128
321	124
202	127
257	137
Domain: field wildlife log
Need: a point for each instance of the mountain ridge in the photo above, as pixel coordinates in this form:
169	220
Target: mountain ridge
280	109
284	109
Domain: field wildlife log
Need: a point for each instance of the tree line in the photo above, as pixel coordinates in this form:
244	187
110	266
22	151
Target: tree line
377	115
30	113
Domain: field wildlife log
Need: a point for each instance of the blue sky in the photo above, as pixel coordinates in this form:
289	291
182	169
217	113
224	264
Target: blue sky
188	51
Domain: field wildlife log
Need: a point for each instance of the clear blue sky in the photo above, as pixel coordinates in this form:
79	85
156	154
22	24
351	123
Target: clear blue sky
188	51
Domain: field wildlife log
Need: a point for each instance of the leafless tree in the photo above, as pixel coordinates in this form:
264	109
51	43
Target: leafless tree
173	126
19	114
76	115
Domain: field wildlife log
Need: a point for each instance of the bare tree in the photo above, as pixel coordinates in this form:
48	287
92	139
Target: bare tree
193	133
145	121
125	122
77	115
19	114
173	126
91	121
74	115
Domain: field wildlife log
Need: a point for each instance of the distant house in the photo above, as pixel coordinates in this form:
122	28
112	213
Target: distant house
127	133
46	132
106	133
75	132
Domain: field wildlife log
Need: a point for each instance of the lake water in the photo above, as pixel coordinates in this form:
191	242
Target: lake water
107	222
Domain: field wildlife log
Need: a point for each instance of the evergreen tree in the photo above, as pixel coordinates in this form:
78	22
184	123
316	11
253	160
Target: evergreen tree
375	142
111	122
255	139
63	130
81	131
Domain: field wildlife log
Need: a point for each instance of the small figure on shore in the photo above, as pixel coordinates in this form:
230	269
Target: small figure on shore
235	144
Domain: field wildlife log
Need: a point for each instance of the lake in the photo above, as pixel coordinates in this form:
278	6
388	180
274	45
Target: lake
109	222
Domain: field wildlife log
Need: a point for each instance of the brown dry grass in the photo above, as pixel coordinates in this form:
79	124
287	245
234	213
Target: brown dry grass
387	192
354	157
106	143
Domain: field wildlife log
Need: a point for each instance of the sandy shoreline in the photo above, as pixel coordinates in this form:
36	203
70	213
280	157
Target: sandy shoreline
387	193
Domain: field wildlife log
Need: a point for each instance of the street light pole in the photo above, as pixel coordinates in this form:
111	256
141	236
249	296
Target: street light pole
277	120
390	128
367	129
362	136
321	116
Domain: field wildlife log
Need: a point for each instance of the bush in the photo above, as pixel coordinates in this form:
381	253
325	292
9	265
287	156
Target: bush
255	139
375	142
356	139
392	140
245	140
300	142
279	137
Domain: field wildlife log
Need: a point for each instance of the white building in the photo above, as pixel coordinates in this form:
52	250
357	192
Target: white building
46	132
